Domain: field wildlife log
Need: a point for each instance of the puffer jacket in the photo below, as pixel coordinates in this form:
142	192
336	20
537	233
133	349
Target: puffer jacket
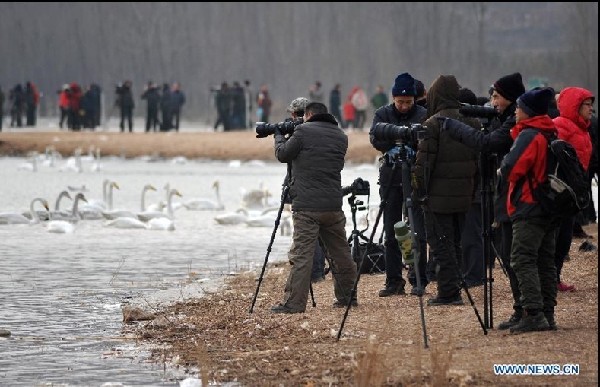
571	126
389	114
445	170
316	151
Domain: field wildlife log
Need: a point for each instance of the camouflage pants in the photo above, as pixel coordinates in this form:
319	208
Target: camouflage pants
308	226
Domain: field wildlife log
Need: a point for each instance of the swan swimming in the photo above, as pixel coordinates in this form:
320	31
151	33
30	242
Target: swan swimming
146	216
237	217
16	218
203	204
113	214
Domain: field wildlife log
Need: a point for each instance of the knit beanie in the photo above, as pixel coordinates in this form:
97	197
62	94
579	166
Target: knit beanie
510	86
466	95
536	101
404	85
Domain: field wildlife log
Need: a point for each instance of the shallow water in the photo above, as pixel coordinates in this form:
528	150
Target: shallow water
61	294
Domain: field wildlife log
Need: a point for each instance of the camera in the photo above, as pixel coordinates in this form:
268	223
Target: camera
264	129
485	114
358	187
405	134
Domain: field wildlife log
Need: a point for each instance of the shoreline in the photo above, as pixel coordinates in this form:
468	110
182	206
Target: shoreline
234	145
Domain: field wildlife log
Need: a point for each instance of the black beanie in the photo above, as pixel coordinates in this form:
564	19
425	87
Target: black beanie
510	86
404	85
466	95
536	101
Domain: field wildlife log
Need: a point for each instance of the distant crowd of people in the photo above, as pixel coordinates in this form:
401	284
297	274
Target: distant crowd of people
22	101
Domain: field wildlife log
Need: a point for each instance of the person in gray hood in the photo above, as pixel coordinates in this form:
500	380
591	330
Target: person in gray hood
316	150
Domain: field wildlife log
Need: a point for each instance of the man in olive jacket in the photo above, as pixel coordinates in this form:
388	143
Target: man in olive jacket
316	151
444	181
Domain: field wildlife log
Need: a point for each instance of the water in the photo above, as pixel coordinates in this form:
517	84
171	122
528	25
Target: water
61	294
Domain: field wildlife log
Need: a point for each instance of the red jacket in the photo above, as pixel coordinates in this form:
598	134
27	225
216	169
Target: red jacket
527	158
572	127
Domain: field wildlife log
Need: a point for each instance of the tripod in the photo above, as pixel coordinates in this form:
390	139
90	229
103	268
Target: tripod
358	235
284	194
487	169
401	158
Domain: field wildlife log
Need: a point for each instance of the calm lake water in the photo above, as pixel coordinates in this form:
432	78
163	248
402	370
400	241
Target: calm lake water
61	294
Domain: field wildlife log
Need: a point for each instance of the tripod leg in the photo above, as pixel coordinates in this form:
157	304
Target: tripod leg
260	278
312	296
464	286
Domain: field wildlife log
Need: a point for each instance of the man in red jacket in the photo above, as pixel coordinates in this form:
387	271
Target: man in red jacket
533	244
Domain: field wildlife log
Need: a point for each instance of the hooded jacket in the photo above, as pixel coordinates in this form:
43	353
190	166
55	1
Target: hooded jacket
571	126
526	160
316	151
445	169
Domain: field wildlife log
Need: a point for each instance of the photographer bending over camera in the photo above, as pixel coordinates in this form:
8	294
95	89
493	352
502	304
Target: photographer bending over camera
316	152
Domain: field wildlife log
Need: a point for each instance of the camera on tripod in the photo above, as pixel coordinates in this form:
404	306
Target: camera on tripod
358	187
264	129
404	134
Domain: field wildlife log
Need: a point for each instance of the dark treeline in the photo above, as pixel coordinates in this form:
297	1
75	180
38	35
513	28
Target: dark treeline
288	46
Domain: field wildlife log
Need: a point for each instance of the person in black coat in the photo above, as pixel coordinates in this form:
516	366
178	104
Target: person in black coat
126	104
152	97
177	102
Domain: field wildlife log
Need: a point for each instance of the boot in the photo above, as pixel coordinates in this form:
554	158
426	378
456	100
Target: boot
512	321
551	322
532	321
392	288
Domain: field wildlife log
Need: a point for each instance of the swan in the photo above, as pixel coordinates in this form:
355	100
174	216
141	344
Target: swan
125	223
66	225
16	218
74	215
254	198
201	204
49	156
147	216
73	188
239	216
60	227
45	215
94	207
30	165
164	222
266	218
73	163
113	214
96	165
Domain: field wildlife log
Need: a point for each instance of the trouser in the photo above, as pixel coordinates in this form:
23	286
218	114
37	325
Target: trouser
175	119
126	114
308	227
473	262
506	235
443	235
152	120
564	237
392	213
532	258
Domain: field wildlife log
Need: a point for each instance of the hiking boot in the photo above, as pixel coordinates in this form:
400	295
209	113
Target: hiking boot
512	321
417	291
587	246
343	304
531	322
320	278
455	300
391	290
564	287
551	322
281	308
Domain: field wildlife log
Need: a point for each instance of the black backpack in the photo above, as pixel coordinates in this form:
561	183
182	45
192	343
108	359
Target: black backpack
566	190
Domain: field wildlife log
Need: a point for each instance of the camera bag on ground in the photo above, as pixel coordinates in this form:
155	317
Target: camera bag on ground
374	259
565	192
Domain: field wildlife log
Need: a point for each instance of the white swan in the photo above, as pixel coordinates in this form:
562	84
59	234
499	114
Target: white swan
31	164
203	204
125	223
94	207
266	218
239	216
50	156
16	218
147	216
96	165
113	214
73	164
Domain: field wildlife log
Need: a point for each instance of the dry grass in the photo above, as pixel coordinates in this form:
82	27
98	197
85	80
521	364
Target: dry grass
382	343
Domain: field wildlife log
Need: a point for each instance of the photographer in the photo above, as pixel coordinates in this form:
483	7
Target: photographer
152	97
316	152
444	181
296	110
504	94
403	111
125	104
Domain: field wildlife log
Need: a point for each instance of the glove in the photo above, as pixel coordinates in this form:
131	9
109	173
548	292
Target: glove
392	152
277	132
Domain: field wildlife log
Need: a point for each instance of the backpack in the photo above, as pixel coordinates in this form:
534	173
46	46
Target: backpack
566	190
